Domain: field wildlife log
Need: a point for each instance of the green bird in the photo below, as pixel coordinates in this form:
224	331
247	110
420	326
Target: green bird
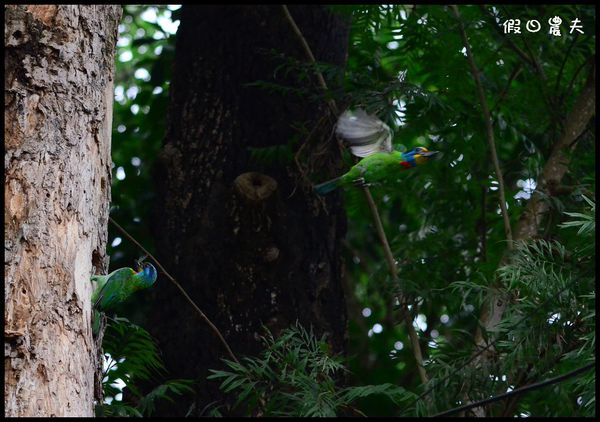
117	286
370	138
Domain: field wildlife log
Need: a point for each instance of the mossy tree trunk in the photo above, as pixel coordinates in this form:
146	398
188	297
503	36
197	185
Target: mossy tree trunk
249	240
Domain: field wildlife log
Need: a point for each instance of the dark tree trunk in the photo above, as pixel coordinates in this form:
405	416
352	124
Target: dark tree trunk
250	242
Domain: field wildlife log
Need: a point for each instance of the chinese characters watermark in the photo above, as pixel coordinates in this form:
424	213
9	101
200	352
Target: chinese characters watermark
513	26
555	26
533	25
576	26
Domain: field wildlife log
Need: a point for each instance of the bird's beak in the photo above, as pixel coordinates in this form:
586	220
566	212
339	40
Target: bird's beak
429	153
139	263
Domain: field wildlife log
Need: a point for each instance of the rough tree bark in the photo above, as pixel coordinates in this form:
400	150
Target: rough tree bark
58	111
251	243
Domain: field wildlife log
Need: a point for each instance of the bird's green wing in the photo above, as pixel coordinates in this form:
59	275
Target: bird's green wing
98	282
113	288
372	169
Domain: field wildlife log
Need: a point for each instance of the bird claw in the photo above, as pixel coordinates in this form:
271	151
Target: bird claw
361	183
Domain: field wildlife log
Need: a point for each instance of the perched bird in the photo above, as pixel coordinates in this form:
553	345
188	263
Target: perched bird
369	137
117	286
377	167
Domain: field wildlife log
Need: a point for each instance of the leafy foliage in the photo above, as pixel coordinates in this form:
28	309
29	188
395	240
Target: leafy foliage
145	53
133	356
406	63
295	376
443	221
547	330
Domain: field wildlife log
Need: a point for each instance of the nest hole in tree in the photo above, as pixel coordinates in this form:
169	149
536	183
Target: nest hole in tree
254	186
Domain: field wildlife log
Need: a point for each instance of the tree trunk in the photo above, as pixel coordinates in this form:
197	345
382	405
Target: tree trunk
58	110
250	242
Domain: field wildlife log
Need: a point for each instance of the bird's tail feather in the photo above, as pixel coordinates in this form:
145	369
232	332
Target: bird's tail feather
328	186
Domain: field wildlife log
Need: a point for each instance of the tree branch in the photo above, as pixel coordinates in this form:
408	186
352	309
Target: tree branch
553	171
484	348
375	214
482	224
488	126
158	264
389	257
507	40
530	220
516	72
562	66
310	55
531	387
558	162
525	376
568	91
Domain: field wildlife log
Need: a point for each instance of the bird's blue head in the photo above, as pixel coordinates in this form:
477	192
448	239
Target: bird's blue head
148	273
418	155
